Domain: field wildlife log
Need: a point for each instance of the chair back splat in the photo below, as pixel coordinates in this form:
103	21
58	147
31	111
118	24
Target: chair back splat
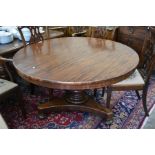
35	34
149	56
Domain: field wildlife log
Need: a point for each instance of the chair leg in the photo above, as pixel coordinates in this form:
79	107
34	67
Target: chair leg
95	92
138	95
144	102
109	93
21	102
103	91
50	93
32	88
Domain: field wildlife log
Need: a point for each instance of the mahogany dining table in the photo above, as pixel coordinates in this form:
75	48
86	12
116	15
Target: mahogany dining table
75	64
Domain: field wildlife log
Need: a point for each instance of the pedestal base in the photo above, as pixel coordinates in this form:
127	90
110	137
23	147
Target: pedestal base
91	106
76	97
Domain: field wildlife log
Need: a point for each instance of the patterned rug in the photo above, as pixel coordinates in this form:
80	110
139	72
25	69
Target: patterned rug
127	109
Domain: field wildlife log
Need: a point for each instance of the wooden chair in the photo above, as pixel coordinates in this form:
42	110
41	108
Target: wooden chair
139	80
104	32
52	32
134	37
36	36
8	88
4	63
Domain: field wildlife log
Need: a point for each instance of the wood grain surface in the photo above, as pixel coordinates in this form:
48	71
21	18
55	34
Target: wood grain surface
75	63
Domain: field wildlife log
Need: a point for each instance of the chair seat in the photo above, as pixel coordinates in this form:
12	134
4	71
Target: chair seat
6	86
133	80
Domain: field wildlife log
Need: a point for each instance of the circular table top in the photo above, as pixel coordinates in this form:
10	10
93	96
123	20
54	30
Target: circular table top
75	63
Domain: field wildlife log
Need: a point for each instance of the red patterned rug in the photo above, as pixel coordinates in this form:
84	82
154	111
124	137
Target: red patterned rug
127	109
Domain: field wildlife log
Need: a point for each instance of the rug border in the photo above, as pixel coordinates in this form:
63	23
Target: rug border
142	124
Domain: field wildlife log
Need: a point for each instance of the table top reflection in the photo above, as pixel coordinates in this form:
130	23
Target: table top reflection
75	63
